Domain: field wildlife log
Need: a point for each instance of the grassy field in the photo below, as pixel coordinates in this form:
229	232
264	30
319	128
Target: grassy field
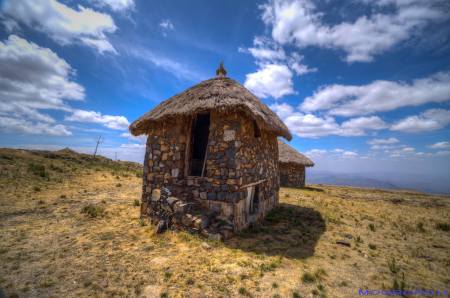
70	227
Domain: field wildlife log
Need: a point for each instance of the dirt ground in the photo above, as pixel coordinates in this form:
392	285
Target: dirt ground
79	235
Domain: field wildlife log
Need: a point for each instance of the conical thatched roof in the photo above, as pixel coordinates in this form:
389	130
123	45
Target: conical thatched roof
287	154
220	93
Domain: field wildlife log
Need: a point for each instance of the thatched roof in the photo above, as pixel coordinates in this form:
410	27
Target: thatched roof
287	154
220	93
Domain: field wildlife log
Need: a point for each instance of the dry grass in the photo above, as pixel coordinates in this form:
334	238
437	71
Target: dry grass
49	247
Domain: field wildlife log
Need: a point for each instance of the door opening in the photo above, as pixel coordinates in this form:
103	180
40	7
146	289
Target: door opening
254	203
199	144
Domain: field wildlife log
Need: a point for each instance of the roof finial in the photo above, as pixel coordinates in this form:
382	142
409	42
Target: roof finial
221	71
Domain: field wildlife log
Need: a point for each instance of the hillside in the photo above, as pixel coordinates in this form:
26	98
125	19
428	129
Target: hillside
70	227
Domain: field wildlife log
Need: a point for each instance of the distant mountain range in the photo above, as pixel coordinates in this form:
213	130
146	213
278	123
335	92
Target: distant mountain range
437	184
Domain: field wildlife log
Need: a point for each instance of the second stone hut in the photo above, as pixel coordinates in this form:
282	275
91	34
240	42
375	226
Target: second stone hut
292	166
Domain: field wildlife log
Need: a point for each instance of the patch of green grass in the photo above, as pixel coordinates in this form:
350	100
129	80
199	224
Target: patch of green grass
308	278
443	226
274	285
38	170
296	295
420	227
137	203
93	210
243	291
393	267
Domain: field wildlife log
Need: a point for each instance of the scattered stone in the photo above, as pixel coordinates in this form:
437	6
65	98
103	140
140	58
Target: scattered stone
343	243
215	237
206	245
348	236
229	135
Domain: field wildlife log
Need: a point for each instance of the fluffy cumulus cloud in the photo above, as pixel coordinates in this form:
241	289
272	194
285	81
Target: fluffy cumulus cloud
20	125
440	145
112	122
432	119
300	23
313	126
167	24
115	5
379	96
332	153
387	141
273	78
32	79
62	23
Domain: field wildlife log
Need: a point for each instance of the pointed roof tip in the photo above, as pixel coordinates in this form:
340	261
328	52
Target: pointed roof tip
221	71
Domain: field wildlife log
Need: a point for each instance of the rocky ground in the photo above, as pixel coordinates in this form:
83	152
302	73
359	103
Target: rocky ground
70	227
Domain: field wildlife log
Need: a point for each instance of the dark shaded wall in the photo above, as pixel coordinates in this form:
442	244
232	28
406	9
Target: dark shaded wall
292	175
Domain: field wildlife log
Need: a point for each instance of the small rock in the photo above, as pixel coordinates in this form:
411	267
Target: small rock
343	242
216	237
348	236
206	245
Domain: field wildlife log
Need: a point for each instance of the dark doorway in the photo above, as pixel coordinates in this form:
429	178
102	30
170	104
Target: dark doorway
254	203
199	143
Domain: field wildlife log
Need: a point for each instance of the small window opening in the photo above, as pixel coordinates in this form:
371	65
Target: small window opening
256	129
254	203
199	144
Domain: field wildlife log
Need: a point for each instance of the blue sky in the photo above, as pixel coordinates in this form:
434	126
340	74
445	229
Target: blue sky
362	85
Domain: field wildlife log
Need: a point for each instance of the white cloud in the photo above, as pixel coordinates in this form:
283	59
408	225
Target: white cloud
116	5
383	141
15	125
142	138
167	24
32	79
274	80
312	126
379	96
275	69
332	153
440	145
443	153
298	22
349	154
295	63
432	119
62	23
136	146
112	122
358	126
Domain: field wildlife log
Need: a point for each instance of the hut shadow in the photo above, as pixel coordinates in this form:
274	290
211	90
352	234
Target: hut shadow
290	231
312	188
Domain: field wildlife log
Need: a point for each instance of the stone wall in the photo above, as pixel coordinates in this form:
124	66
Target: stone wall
292	175
235	158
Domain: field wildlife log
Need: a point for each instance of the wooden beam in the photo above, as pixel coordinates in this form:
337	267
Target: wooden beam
253	183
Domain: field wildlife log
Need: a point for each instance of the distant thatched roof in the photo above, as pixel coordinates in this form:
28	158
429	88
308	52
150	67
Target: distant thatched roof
219	93
287	154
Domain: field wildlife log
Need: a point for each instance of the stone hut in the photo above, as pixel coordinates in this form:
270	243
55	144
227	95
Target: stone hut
292	166
213	146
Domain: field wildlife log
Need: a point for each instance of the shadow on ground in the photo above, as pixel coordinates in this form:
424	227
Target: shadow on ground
288	230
